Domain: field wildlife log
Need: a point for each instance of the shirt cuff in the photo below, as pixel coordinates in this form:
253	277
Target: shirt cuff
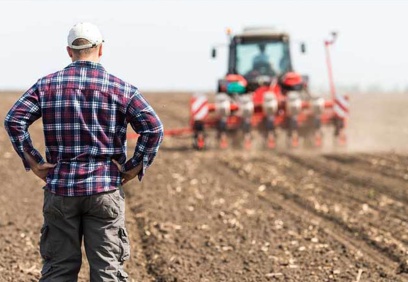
35	154
134	162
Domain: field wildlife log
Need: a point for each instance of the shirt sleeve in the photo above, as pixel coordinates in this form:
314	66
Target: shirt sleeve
23	113
147	124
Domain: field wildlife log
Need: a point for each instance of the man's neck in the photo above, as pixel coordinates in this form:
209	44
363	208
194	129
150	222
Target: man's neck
88	59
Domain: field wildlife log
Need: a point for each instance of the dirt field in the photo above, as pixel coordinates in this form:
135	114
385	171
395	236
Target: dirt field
238	215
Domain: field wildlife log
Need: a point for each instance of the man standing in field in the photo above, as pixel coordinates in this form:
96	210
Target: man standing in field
85	112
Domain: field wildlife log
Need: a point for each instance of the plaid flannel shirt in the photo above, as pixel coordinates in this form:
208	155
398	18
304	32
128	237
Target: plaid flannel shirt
85	113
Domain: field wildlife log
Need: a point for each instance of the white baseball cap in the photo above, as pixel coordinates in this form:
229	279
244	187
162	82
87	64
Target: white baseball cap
86	31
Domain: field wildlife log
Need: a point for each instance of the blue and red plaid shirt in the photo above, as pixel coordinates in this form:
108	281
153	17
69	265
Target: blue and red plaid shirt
85	113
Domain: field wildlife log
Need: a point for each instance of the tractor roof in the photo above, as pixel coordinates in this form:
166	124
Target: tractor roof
262	32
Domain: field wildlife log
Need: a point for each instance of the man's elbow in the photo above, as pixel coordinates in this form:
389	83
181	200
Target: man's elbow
161	131
7	123
11	125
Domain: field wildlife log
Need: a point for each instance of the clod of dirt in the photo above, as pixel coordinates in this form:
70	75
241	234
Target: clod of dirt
402	267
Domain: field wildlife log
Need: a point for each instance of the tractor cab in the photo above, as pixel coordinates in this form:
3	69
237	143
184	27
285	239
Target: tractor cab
258	55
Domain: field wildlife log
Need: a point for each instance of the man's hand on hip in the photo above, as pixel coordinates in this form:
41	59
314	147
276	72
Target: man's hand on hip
40	170
130	174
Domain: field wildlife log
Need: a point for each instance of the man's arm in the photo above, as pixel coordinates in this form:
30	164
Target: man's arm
130	174
40	170
24	112
147	124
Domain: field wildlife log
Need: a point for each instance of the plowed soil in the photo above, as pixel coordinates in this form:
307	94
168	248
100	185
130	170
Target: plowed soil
336	214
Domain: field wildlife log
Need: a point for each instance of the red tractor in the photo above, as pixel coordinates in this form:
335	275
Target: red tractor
262	93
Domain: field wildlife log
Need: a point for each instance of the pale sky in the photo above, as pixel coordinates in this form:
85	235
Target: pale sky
165	45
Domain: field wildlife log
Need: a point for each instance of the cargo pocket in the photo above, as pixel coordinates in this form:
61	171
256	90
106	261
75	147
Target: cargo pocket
46	268
52	207
44	243
124	245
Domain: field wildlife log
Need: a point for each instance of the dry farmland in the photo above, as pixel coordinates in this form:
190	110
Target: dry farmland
236	215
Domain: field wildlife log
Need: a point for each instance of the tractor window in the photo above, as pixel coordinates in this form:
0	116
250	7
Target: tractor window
269	58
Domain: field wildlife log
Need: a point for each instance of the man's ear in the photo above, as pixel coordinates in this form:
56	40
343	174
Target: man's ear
69	50
100	50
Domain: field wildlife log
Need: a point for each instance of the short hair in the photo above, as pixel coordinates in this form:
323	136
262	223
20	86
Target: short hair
82	52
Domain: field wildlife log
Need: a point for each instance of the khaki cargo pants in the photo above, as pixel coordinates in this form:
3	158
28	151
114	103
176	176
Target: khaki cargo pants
100	220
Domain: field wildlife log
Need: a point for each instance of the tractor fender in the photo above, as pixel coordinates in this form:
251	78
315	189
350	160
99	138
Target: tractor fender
198	107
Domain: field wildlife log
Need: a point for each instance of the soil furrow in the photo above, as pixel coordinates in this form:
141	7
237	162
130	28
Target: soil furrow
386	166
384	185
225	231
359	219
334	227
374	209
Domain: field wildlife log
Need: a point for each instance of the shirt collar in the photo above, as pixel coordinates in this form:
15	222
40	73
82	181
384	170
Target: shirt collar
86	64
